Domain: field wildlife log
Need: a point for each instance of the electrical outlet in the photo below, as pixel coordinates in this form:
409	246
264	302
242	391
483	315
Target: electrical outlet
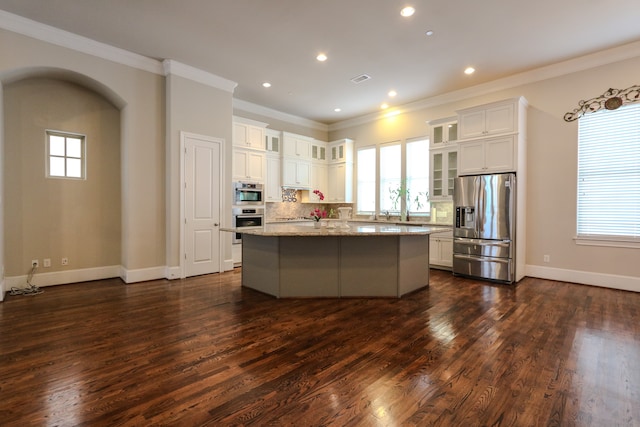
547	258
35	263
65	261
46	262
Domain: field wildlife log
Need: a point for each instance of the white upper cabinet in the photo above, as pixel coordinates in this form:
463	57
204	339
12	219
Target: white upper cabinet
341	151
296	173
319	151
273	141
272	189
340	183
296	146
483	121
491	155
248	165
443	132
444	168
247	135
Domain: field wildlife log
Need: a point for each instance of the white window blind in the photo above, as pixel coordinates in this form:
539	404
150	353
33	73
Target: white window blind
609	174
390	177
418	176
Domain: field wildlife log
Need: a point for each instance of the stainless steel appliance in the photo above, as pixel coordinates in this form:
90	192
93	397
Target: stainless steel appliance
246	217
248	193
485	224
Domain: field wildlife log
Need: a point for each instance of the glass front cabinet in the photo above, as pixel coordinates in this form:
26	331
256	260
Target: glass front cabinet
444	168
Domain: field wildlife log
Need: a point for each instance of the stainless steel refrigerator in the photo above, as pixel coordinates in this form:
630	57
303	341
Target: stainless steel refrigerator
485	226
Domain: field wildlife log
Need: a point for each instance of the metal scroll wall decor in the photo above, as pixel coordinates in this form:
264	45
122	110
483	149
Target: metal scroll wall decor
610	100
289	195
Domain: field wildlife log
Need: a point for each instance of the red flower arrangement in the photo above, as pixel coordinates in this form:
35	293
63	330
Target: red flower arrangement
319	194
317	214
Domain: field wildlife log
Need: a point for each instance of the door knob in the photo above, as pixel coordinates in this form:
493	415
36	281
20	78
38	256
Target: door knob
215	224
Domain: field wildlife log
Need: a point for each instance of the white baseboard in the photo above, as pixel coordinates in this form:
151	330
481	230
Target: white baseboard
61	277
227	265
173	273
613	281
142	274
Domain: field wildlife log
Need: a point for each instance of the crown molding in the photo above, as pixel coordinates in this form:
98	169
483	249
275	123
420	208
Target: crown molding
605	57
249	107
49	34
188	72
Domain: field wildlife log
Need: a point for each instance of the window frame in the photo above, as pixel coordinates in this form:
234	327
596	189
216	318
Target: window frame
426	213
598	134
83	154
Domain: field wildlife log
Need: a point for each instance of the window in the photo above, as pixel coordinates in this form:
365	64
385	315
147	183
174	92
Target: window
390	177
609	175
65	155
417	177
366	180
383	176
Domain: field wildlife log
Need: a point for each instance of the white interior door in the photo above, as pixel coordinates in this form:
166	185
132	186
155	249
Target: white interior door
202	167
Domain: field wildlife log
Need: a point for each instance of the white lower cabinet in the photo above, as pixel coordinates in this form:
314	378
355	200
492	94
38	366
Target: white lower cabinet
441	250
492	155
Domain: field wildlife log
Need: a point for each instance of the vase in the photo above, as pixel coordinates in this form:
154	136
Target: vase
316	224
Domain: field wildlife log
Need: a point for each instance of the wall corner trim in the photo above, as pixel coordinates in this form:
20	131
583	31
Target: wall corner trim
188	72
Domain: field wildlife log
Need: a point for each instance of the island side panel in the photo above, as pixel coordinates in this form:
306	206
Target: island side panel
413	257
309	266
260	261
369	266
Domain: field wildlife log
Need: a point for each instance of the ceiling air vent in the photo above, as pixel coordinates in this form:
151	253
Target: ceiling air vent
361	78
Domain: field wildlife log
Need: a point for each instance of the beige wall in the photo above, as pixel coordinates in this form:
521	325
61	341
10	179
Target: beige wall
55	218
200	109
140	97
552	170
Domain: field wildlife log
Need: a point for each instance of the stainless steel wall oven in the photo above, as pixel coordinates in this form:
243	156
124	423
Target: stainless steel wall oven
246	217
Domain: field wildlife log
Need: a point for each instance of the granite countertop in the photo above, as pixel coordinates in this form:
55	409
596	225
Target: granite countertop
333	228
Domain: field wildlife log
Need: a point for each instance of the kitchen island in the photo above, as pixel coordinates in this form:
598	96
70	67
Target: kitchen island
360	260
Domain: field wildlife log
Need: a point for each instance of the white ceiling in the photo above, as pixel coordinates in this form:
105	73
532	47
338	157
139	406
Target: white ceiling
252	41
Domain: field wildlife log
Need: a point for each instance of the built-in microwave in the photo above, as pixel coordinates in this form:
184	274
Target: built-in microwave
248	193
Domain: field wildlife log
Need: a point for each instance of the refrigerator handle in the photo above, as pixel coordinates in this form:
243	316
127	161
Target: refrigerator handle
501	243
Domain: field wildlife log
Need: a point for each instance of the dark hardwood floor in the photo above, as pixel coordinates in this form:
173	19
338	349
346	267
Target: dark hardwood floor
204	351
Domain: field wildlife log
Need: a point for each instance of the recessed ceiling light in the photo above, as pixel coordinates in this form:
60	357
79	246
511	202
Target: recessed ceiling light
384	106
429	32
392	93
407	11
266	84
469	70
337	110
321	57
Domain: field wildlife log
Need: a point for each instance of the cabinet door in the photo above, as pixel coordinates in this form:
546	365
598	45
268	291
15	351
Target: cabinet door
256	136
256	166
500	119
240	134
248	136
471	158
240	163
273	193
272	143
500	154
319	181
472	124
337	181
437	174
446	252
298	148
452	171
295	173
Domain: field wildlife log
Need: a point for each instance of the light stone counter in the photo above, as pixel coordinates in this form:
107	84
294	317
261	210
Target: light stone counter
364	260
307	229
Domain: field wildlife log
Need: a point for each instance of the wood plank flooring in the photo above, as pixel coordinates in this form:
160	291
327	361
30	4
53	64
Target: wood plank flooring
206	352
